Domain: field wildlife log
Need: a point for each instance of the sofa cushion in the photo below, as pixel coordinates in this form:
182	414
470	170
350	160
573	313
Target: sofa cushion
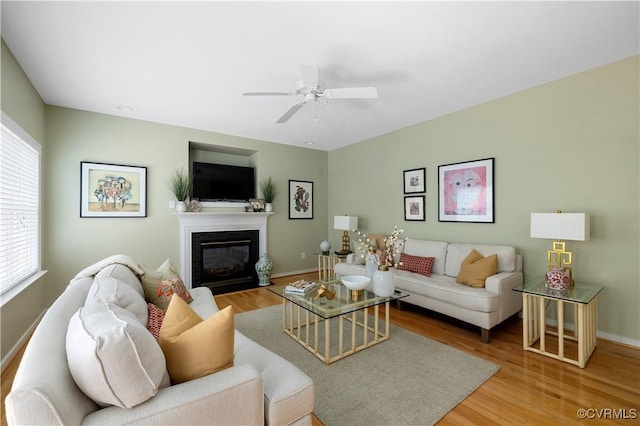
457	252
154	322
475	269
195	347
160	284
121	259
289	394
113	358
418	264
124	274
111	290
445	289
425	248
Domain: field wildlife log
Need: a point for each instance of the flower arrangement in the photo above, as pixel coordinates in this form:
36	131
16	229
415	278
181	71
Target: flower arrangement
391	247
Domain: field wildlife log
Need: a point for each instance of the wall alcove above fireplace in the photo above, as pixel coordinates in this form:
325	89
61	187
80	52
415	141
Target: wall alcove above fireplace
226	231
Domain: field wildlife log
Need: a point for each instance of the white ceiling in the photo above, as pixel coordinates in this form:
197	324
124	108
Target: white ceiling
188	63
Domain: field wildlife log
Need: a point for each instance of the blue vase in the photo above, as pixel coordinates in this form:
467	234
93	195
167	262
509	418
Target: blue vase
264	266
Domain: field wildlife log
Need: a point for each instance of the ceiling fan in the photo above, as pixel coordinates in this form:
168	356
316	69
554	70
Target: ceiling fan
312	89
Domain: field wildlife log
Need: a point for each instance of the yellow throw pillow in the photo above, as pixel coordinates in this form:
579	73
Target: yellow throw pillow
195	347
475	269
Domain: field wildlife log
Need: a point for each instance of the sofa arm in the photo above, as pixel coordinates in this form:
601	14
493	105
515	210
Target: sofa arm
231	396
503	284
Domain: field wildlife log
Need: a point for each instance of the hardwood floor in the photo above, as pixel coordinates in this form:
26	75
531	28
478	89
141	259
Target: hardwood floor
528	389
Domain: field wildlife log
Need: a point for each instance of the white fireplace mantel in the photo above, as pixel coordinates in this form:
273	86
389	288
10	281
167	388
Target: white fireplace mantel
194	222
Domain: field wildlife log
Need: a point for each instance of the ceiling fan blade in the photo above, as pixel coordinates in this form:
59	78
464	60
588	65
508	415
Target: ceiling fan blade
351	93
287	115
309	76
266	94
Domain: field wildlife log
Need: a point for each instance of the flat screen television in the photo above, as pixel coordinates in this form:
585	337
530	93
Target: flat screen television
221	182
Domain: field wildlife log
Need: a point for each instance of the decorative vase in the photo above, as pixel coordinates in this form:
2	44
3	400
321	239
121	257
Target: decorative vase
325	247
557	279
383	285
371	265
268	208
264	266
181	206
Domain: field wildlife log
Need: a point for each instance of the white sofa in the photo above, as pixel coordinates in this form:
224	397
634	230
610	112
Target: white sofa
261	387
484	307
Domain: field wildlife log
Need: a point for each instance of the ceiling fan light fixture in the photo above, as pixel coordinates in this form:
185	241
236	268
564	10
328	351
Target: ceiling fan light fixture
312	89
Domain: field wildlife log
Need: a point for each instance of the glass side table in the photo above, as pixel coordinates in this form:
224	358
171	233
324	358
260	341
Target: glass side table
535	296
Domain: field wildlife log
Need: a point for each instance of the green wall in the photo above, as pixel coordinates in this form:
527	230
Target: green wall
22	103
571	144
71	242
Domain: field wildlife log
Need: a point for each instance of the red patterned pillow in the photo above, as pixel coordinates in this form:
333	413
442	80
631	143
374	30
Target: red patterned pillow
418	264
156	316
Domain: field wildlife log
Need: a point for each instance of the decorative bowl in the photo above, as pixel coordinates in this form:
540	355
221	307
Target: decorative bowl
356	282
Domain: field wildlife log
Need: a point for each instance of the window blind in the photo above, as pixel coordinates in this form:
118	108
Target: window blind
19	205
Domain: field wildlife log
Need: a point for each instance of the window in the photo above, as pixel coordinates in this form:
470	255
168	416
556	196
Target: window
19	205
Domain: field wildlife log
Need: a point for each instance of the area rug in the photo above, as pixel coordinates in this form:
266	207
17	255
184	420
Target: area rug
407	380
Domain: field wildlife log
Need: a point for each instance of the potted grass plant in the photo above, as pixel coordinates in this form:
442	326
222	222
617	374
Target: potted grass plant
180	184
269	190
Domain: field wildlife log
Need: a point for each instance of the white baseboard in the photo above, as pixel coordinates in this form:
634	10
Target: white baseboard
303	271
608	336
20	343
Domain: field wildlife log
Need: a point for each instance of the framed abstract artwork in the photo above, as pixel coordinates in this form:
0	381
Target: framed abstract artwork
414	181
465	192
300	199
414	208
111	190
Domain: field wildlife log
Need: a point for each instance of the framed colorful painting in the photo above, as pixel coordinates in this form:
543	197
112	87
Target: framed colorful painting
465	192
414	181
111	190
300	199
414	208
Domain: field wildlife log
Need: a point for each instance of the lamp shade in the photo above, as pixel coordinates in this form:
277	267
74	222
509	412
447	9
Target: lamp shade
345	223
560	226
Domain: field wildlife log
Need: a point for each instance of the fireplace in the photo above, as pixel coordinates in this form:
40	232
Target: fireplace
224	261
192	224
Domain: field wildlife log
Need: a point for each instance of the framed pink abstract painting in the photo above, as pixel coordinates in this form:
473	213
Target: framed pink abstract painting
465	192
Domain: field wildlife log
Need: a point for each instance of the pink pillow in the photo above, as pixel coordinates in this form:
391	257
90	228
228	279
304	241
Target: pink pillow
156	316
418	264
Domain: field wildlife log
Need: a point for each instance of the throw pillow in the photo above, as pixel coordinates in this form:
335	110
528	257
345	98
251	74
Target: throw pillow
195	347
111	290
161	284
154	322
418	264
113	358
475	269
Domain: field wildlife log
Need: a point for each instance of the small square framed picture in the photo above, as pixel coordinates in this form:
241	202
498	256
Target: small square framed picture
414	181
414	208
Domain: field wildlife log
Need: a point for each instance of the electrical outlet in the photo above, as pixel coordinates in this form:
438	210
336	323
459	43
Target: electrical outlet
172	204
303	255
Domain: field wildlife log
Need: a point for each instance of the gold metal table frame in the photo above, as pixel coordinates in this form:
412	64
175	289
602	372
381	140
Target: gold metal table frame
308	321
534	315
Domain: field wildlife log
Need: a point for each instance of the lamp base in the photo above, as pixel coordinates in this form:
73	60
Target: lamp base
560	259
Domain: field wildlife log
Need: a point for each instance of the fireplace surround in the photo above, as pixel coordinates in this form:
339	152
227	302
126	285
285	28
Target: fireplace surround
227	232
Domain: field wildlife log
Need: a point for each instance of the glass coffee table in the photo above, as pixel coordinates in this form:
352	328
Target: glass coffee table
334	329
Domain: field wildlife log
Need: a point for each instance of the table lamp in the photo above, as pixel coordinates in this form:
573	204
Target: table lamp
346	224
560	226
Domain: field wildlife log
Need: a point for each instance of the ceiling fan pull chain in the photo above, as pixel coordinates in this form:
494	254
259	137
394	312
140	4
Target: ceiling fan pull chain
315	104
